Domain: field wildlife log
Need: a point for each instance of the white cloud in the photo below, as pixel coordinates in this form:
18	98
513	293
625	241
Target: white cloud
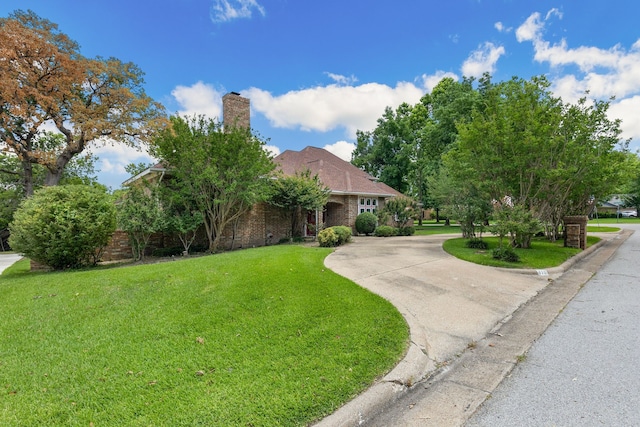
602	72
342	80
228	10
199	98
501	28
627	111
532	28
342	149
325	108
430	81
482	60
115	156
272	150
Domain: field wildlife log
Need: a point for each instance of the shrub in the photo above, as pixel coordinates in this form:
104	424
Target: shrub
166	252
64	226
406	231
328	238
140	214
385	231
334	236
505	254
344	233
366	223
476	243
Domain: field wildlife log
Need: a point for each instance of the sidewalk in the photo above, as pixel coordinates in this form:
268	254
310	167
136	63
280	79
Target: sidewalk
7	260
456	311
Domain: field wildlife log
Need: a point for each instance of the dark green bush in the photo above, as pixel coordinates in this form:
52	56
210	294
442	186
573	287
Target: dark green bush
366	223
476	243
328	238
505	253
386	231
64	226
406	231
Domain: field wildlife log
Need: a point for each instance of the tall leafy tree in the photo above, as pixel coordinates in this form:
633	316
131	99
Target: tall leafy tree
224	171
45	79
386	151
405	148
528	147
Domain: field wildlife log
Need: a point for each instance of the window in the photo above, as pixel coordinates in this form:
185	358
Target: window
367	204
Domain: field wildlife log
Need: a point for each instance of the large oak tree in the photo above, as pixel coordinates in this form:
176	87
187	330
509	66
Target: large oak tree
44	80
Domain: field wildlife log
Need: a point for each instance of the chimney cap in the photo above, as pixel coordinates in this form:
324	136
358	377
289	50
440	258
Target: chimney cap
234	93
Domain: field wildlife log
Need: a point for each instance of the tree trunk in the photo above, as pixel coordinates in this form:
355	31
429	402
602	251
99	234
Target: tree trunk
27	178
52	179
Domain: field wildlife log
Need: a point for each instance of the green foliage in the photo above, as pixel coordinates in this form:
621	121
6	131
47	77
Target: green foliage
548	156
140	214
505	253
476	243
406	231
386	231
516	222
224	173
405	148
328	238
401	210
180	215
80	170
366	223
64	226
344	233
462	201
297	194
334	236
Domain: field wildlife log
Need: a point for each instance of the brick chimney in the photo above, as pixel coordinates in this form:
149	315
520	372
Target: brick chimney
235	111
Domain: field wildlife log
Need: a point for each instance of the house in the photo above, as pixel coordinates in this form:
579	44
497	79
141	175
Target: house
352	191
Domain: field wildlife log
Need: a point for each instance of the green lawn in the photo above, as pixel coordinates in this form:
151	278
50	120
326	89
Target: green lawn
433	227
258	337
614	221
542	254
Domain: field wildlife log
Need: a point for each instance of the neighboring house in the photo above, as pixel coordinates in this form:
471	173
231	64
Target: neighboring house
611	206
353	191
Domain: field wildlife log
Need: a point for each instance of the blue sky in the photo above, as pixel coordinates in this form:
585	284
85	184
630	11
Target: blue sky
318	71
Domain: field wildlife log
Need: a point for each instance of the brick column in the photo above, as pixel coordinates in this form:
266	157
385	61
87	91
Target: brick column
575	231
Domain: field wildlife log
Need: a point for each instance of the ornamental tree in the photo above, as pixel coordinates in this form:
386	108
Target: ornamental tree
296	194
223	171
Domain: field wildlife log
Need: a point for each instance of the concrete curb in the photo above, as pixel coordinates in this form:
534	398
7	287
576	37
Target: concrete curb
416	371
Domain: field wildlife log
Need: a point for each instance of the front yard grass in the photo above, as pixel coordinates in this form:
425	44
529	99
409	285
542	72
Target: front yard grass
258	337
542	254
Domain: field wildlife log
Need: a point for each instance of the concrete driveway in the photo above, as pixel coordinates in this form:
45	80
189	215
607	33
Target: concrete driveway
6	260
449	305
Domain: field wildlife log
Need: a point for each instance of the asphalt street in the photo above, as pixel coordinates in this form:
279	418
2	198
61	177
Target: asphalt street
583	371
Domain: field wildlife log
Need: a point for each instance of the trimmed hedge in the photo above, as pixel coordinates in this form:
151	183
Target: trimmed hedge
366	223
386	231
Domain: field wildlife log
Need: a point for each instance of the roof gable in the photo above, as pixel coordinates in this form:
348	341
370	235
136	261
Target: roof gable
340	176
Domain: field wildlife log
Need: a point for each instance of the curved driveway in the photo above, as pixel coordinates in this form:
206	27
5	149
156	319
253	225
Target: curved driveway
449	305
